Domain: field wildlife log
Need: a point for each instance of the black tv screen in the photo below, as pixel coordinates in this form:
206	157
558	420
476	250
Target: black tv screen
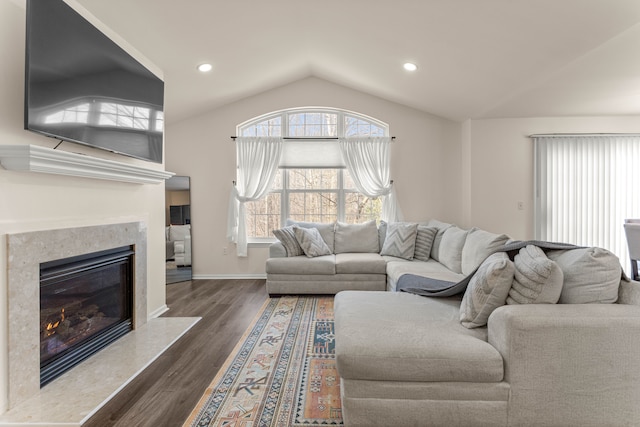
82	87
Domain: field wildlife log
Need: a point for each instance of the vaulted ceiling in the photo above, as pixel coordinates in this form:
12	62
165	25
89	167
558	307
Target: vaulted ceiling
476	58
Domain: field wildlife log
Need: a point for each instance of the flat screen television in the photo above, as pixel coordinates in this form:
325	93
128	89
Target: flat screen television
82	87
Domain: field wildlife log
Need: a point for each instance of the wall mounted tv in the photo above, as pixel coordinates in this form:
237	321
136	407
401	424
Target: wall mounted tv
82	87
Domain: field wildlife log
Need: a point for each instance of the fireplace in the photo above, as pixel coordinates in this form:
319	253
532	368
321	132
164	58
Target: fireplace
85	304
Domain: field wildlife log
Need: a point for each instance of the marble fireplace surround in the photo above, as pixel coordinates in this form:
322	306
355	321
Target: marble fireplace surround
25	252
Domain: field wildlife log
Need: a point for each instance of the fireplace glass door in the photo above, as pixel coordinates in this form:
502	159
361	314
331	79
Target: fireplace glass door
85	304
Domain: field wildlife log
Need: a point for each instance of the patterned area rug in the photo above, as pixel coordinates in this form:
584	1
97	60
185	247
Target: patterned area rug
281	373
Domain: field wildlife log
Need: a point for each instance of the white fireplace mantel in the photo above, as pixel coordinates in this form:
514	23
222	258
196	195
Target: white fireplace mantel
33	158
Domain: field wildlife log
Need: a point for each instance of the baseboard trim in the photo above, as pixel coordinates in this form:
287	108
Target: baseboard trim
229	276
159	311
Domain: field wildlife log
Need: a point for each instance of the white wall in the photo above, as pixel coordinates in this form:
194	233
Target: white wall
501	166
34	201
425	166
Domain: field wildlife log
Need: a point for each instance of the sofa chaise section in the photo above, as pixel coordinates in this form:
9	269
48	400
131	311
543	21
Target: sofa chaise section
406	360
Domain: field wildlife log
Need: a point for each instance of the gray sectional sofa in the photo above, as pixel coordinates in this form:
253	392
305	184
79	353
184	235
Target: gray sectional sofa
359	259
548	338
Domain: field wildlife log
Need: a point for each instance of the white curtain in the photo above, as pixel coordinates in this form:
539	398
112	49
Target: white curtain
368	161
586	186
258	160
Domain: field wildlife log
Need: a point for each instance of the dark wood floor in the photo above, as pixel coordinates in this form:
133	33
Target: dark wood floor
166	392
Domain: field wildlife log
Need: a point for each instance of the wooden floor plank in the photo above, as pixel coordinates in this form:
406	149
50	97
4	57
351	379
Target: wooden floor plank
166	392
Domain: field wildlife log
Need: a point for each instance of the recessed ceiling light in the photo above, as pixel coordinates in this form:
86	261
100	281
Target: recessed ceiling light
410	66
205	68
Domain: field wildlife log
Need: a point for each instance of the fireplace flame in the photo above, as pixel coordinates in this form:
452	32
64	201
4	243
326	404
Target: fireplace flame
51	327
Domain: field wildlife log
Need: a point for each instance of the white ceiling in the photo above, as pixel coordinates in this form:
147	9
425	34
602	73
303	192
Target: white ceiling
476	58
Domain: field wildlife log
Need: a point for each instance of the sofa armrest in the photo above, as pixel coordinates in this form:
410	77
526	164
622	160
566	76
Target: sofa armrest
570	364
629	292
277	250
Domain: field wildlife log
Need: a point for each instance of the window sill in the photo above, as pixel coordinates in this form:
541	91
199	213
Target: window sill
261	243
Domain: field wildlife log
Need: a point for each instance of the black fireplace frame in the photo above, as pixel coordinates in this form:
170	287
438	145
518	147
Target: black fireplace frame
57	270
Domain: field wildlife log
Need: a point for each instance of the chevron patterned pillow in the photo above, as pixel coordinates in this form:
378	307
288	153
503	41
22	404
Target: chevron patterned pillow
401	240
311	241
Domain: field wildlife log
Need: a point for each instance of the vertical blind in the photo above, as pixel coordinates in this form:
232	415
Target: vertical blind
586	186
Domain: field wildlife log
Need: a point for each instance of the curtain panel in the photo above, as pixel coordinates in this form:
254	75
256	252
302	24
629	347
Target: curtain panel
585	187
258	159
368	161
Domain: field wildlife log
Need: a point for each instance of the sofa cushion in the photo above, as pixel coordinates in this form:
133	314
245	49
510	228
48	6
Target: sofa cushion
377	339
591	275
396	267
487	290
424	241
311	241
325	264
364	263
537	279
356	237
400	240
451	248
287	237
326	229
442	227
478	246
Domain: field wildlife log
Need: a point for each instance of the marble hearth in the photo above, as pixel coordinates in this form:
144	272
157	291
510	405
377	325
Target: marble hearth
101	376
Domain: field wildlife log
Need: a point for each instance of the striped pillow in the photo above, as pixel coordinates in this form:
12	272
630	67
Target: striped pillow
424	241
401	240
287	237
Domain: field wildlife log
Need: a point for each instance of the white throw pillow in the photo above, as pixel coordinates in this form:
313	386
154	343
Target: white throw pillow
288	239
537	280
451	248
400	241
311	241
591	275
487	290
478	246
435	246
359	238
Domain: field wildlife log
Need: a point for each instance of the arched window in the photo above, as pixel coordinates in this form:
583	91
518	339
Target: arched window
312	183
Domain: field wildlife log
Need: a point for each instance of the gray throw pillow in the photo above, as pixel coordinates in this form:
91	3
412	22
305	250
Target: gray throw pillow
487	290
382	233
591	275
400	240
326	229
537	280
311	241
424	241
288	239
359	238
